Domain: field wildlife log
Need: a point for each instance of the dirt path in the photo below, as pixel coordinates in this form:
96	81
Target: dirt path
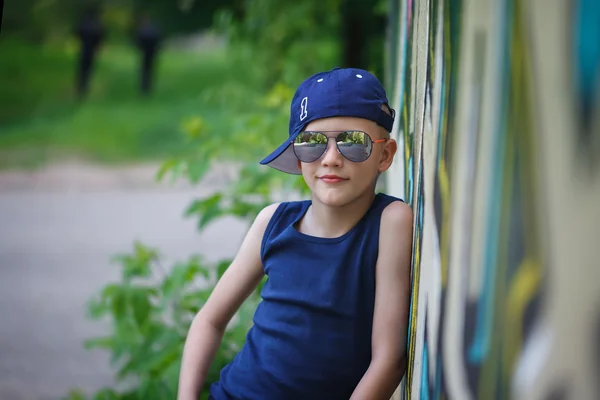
75	176
58	229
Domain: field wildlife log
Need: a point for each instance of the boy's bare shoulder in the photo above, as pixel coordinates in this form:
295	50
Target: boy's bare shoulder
266	213
396	216
264	216
396	233
395	243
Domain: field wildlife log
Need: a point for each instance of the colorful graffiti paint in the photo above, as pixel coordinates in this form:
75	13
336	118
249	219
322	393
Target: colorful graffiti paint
479	93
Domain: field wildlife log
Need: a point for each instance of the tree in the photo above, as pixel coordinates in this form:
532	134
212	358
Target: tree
297	39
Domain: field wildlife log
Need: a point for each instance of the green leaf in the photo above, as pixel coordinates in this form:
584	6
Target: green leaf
111	290
196	268
118	305
165	167
209	209
183	274
106	342
192	302
174	167
194	127
242	209
199	206
107	394
139	263
141	306
154	362
97	307
178	170
197	169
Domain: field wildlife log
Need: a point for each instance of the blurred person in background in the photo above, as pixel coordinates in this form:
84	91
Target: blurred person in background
147	39
90	32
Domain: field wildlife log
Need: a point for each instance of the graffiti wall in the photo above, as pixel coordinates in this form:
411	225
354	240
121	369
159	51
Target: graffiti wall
499	155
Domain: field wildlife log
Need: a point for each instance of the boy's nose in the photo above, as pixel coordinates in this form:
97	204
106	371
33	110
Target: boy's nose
332	156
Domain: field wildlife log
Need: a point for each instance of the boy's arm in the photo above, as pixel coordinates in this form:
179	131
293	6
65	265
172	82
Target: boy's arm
206	332
392	298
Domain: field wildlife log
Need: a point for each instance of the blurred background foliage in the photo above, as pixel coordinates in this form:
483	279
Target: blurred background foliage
225	76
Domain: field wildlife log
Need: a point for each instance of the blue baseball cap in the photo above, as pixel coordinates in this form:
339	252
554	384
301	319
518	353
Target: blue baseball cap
341	92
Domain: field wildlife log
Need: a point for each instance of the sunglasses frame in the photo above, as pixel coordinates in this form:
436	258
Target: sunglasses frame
336	143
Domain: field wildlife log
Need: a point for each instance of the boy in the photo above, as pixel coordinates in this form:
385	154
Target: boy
333	320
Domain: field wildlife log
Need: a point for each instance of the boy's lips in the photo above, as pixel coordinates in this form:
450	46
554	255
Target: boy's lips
332	179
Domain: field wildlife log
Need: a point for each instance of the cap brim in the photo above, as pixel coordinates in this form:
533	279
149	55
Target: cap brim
283	158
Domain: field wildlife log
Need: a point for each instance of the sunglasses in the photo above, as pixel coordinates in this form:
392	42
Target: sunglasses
355	146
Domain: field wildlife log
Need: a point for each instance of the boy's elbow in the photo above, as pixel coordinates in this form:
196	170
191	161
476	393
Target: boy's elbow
395	364
202	322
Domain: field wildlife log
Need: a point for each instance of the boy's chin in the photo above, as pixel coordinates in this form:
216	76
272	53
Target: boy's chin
333	198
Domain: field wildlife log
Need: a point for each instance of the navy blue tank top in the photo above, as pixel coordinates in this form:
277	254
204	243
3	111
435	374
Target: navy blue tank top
311	337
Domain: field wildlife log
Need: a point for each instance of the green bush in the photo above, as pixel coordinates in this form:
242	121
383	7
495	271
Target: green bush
151	310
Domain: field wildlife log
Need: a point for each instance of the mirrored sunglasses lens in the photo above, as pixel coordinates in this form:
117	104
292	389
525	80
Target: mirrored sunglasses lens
354	145
310	146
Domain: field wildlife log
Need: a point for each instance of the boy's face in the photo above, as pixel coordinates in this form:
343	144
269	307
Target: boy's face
357	178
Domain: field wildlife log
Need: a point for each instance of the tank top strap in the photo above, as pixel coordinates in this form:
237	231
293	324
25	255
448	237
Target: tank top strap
286	214
381	201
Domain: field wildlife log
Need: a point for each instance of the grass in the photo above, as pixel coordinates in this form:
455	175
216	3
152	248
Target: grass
41	120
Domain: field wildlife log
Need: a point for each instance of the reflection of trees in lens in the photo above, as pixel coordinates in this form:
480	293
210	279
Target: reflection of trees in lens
310	138
317	139
355	137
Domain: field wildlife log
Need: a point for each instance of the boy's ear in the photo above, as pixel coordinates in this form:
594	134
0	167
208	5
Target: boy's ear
387	155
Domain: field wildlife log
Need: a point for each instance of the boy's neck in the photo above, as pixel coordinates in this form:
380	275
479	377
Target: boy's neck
331	222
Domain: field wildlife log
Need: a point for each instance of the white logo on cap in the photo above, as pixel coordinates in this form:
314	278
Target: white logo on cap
303	108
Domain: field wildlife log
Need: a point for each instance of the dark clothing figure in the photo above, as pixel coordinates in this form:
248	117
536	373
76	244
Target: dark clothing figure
90	33
148	42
